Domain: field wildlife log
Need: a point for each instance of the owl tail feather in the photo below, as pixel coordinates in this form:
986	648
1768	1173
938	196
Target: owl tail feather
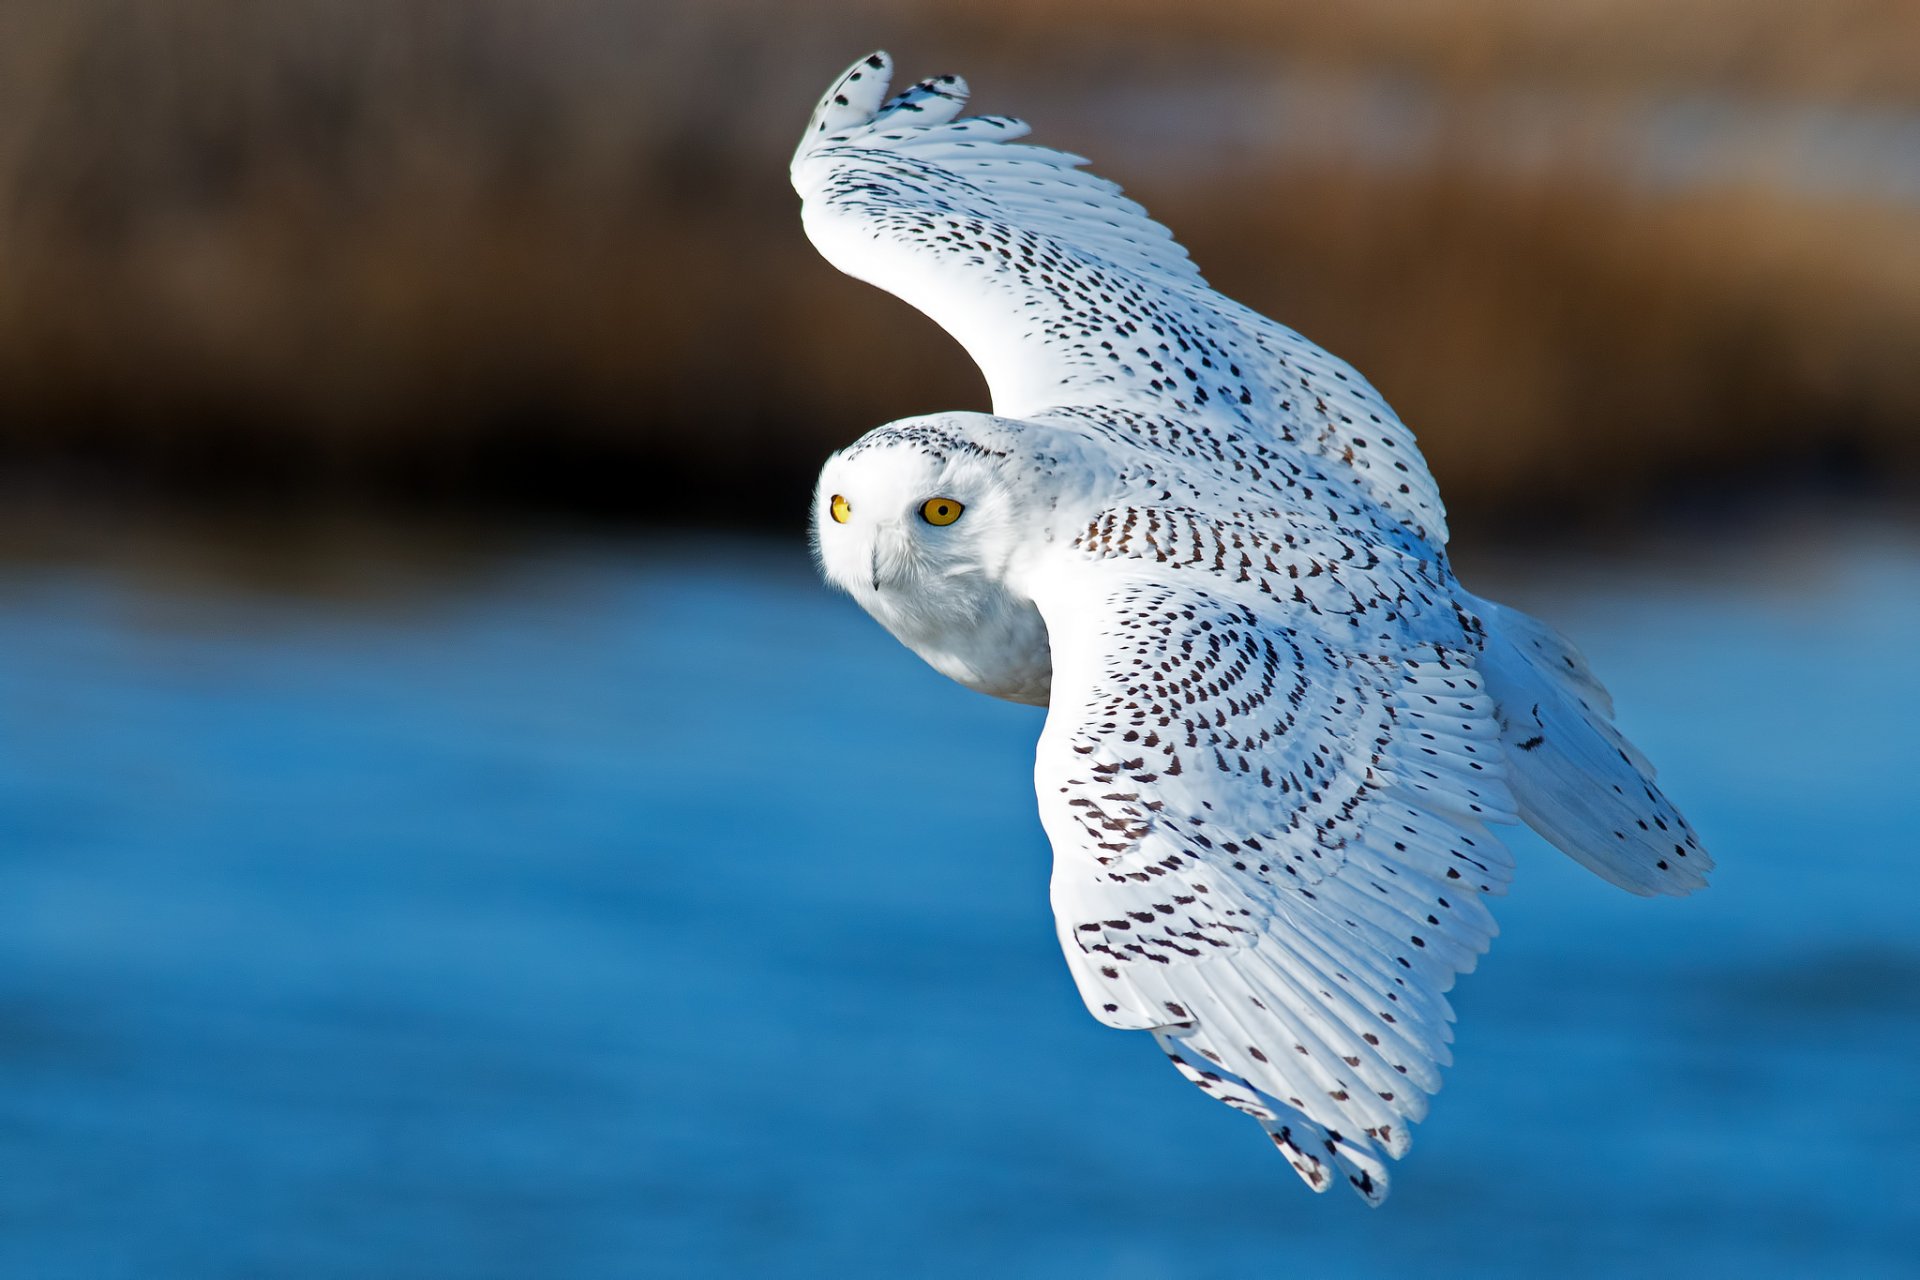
1574	778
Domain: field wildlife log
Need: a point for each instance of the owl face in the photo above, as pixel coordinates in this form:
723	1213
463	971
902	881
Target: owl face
894	518
917	522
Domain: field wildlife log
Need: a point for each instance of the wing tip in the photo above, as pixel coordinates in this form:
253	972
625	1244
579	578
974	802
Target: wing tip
857	102
853	99
1358	1163
948	93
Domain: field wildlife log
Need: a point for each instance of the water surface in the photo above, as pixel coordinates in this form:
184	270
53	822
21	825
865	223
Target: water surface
624	909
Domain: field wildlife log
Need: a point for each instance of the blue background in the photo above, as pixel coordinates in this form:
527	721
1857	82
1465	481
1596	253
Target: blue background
637	907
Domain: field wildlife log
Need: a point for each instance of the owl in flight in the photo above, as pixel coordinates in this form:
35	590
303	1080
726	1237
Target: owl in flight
1279	733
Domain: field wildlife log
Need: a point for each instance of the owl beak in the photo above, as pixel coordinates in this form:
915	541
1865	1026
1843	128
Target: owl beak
889	556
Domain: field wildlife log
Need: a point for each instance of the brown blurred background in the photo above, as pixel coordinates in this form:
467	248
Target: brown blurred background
1605	258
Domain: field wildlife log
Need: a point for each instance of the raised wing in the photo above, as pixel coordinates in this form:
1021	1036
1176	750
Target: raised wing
1067	295
1266	775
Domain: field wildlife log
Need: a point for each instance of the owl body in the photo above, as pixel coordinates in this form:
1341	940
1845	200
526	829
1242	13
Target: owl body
1280	734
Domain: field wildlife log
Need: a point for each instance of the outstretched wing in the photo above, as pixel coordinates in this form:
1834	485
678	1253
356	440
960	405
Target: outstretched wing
1266	775
1067	295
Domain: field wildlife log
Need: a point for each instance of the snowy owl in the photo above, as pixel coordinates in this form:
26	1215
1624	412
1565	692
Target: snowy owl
1279	732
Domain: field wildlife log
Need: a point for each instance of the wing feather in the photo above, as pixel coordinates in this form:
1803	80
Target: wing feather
1270	840
1068	295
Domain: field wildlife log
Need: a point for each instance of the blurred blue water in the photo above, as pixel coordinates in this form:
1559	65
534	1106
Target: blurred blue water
631	910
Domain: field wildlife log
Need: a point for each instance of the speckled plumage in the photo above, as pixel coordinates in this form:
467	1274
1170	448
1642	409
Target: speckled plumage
1279	729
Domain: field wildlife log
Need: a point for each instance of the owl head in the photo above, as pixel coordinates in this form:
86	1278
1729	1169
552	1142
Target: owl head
914	506
922	522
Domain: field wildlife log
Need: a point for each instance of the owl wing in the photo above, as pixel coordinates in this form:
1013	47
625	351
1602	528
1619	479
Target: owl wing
1070	297
1267	773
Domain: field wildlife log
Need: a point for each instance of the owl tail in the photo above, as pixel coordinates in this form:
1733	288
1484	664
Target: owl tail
1574	778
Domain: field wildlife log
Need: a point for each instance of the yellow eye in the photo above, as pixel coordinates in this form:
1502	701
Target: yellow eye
839	509
940	510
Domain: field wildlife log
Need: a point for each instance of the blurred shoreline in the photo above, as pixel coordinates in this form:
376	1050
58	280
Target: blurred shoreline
359	552
500	258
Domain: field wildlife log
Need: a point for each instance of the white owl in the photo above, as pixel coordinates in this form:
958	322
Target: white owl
1279	731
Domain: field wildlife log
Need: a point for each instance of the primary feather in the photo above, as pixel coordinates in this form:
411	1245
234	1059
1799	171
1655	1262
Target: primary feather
1279	729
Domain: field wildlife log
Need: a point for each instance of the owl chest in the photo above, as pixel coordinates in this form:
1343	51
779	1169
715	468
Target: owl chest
992	642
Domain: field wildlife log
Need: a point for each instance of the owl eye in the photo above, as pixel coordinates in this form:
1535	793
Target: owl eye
839	509
941	511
